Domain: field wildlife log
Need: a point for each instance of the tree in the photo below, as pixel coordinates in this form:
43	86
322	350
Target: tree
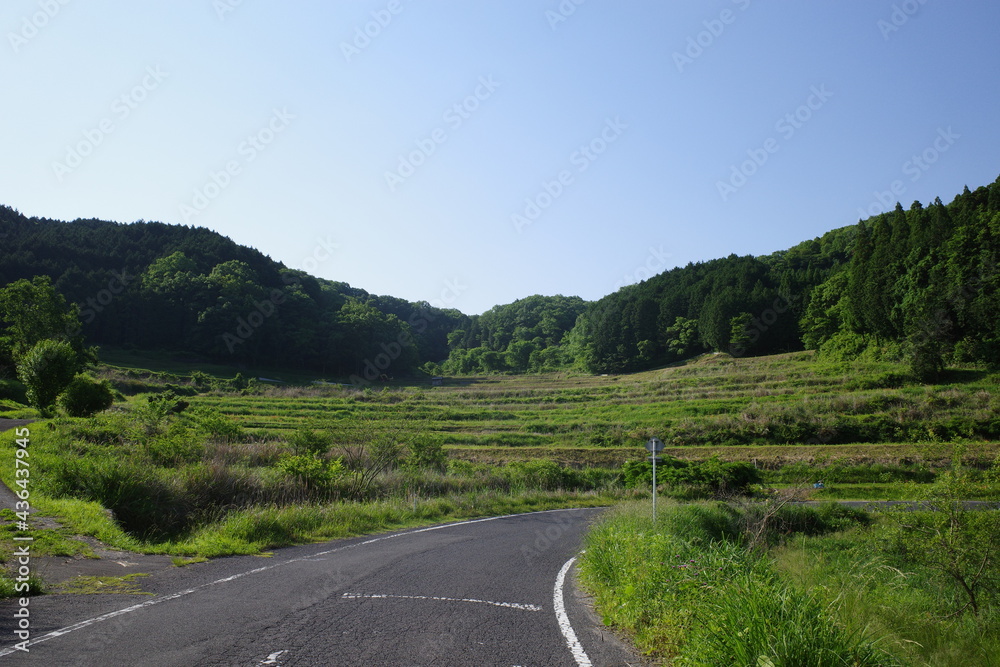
46	370
739	334
32	311
682	336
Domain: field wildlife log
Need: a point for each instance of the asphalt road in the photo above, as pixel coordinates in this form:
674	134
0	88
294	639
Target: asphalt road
486	592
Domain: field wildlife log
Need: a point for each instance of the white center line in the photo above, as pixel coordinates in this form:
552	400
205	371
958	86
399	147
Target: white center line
273	658
375	596
567	629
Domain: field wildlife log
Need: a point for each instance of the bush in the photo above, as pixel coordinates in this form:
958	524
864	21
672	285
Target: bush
310	441
712	476
311	469
176	447
85	396
46	370
218	426
426	453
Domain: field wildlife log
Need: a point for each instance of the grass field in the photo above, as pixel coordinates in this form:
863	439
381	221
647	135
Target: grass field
770	410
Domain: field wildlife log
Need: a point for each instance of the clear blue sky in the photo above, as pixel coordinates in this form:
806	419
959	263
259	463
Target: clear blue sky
123	111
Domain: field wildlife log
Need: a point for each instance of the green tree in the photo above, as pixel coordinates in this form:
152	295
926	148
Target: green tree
46	370
32	311
682	336
739	334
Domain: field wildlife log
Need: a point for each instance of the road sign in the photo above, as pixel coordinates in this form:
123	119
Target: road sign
655	459
654	445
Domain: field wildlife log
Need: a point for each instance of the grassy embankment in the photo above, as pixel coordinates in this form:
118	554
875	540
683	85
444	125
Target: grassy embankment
751	584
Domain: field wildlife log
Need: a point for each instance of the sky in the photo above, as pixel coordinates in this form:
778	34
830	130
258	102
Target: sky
473	153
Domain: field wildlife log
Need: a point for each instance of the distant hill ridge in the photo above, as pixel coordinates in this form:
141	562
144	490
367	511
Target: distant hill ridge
922	281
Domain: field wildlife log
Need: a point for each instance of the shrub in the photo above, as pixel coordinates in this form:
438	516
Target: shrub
311	469
176	447
426	453
46	370
85	396
711	476
310	441
219	426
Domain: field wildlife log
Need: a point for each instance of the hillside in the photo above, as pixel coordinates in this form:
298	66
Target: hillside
919	285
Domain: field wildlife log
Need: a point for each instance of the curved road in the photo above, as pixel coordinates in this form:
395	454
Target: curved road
483	592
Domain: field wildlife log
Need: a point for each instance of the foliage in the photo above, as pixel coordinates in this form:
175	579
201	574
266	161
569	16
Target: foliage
32	311
687	590
46	370
711	476
424	452
943	534
527	335
311	469
310	441
920	284
85	396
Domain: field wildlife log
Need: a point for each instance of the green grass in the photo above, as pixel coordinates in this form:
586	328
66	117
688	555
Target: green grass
687	590
824	586
763	408
906	606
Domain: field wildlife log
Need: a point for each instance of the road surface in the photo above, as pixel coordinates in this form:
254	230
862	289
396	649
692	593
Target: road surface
497	591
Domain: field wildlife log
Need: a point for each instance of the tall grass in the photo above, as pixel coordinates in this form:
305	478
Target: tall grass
910	607
687	589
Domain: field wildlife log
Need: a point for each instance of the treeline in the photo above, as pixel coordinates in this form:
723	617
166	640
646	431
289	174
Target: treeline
528	335
918	284
923	283
149	285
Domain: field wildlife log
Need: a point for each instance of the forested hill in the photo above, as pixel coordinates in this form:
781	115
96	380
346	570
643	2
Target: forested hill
918	283
150	285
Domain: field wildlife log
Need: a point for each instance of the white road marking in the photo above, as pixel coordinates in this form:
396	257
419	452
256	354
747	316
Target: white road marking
374	596
173	596
272	659
567	629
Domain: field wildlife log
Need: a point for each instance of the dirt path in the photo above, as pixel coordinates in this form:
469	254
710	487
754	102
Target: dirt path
7	497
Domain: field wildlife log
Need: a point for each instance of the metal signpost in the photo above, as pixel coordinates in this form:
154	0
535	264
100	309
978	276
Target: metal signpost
654	446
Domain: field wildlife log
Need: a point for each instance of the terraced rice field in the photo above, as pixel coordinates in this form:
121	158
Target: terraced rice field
780	408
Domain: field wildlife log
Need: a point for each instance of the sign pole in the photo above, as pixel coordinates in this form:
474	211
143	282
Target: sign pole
655	446
654	489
